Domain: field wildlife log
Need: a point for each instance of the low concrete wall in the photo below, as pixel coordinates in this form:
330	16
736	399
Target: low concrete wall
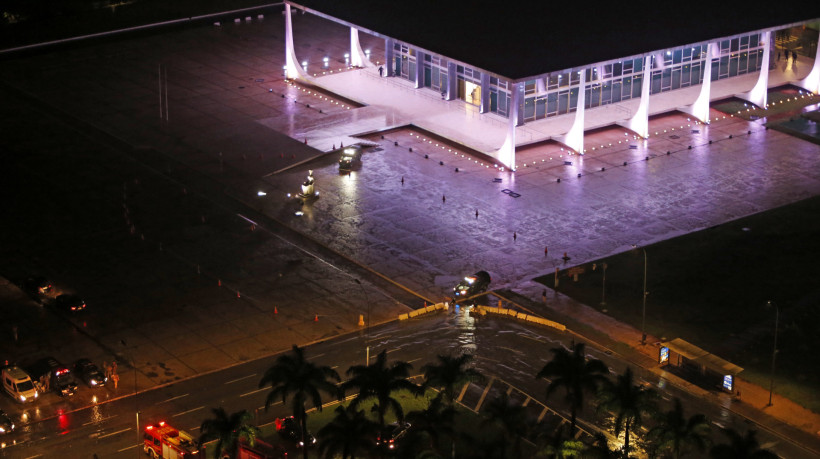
431	308
484	310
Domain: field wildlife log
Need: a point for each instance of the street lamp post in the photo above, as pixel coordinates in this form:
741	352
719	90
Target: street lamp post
643	309
367	324
774	349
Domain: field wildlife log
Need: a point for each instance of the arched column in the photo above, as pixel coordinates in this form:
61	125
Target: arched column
700	109
357	56
506	154
575	136
639	123
812	81
292	68
758	95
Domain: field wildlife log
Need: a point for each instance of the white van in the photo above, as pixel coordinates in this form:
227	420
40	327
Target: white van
18	385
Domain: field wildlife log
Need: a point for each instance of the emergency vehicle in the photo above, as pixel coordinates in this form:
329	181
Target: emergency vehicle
166	442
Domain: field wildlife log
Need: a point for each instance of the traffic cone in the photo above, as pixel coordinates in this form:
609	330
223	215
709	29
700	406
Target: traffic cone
316	318
341	145
253	227
361	320
219	282
275	310
237	294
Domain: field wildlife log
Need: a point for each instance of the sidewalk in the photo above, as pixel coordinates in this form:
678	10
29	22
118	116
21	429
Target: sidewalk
752	403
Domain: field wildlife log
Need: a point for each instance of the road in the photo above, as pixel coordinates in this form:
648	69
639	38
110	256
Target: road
109	429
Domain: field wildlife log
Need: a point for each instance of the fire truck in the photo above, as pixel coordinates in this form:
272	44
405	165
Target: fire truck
163	441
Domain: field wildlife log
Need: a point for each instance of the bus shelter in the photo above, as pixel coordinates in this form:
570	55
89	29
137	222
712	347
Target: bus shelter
699	364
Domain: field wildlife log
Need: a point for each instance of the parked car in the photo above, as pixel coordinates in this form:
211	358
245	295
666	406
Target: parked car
392	434
38	287
351	157
89	373
53	375
472	285
289	430
69	302
6	426
19	385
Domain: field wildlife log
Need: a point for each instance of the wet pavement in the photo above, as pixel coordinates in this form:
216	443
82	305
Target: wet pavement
408	216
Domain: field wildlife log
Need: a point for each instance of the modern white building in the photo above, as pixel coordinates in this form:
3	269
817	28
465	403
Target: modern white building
533	61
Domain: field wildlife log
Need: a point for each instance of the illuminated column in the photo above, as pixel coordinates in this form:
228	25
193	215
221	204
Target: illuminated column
758	94
357	56
812	82
292	68
575	137
700	109
419	69
485	93
452	81
388	57
639	123
506	154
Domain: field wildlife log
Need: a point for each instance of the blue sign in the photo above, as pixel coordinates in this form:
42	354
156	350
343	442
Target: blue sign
664	355
728	382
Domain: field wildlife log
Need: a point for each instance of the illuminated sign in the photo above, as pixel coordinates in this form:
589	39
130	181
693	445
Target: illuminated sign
728	382
664	355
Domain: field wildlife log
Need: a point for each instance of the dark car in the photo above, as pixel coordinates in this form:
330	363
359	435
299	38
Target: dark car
89	373
289	430
53	375
351	157
472	285
393	433
69	302
38	287
6	426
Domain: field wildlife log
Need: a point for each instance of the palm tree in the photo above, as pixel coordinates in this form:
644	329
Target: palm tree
557	442
511	419
677	435
436	420
741	447
293	376
228	431
348	434
629	402
576	374
449	374
380	381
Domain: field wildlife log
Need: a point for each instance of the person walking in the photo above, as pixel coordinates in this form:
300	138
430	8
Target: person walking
116	379
381	71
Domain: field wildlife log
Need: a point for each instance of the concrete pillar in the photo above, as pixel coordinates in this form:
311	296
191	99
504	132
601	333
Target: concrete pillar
812	81
575	136
389	65
519	104
700	109
292	68
639	123
506	154
759	94
419	69
452	81
485	93
357	55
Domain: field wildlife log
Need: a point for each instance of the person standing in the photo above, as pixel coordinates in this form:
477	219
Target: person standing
381	71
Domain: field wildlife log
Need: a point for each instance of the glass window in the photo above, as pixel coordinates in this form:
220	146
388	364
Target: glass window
627	67
744	42
600	95
724	67
743	63
529	109
529	87
655	85
735	45
615	93
724	46
687	55
576	78
460	69
493	81
563	102
626	89
675	78
573	99
685	76
637	84
540	108
677	56
753	62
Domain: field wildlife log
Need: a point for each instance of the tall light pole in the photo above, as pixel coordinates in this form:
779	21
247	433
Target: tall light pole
774	350
643	309
367	324
136	406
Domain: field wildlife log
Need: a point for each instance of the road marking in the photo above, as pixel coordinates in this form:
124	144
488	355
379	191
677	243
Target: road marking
510	349
272	404
247	219
114	433
316	356
186	412
394	350
174	398
414	360
100	420
240	379
129	447
254	392
32	457
334	367
534	339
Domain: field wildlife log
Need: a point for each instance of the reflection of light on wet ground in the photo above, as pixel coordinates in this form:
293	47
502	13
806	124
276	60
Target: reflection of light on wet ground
465	324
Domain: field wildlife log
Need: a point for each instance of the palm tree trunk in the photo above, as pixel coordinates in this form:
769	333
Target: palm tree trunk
572	423
626	440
